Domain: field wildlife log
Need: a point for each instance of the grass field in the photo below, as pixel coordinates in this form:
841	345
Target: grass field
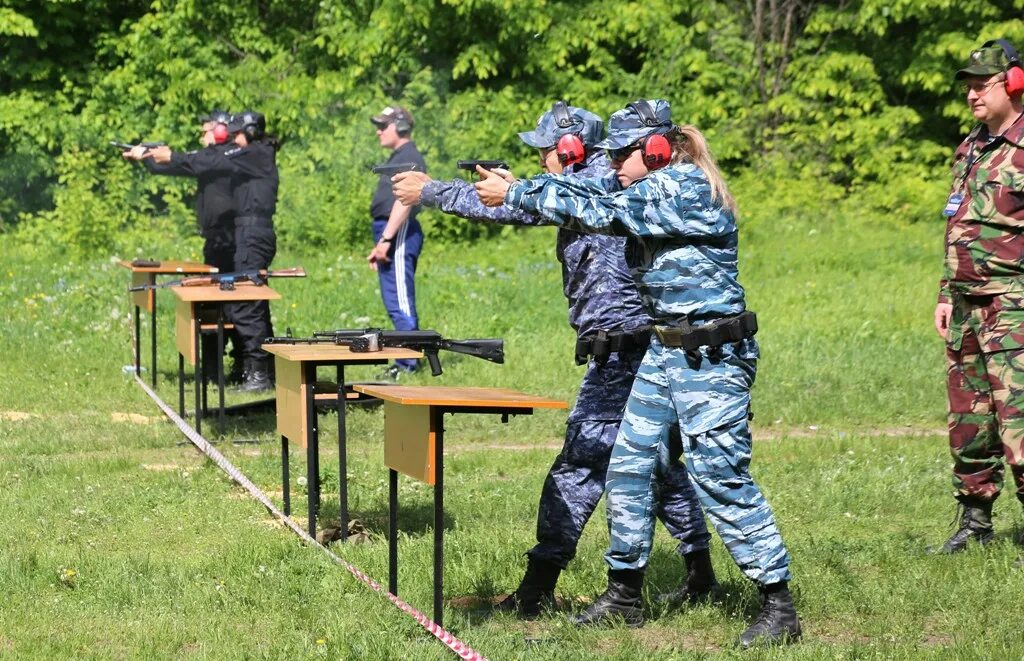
120	542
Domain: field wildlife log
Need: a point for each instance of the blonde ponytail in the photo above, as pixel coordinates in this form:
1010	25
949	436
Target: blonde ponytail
690	146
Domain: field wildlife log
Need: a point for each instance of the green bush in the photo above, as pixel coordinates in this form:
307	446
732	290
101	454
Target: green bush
855	99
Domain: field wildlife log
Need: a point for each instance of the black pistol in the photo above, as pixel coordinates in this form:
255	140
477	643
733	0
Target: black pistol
391	170
487	165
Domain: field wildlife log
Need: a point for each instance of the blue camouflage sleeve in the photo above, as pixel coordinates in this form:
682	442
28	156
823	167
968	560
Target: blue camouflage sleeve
672	202
459	198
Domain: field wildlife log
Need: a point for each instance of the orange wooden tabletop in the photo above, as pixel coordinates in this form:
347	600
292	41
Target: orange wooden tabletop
459	396
170	266
300	352
243	291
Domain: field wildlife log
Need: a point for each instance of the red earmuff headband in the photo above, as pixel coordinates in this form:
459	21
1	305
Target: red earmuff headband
1014	84
656	148
569	148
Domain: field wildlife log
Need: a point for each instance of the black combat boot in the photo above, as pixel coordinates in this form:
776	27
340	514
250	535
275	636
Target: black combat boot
699	586
777	623
621	601
257	377
237	374
975	523
535	592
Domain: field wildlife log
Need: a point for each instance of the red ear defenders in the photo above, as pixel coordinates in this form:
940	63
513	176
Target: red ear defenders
656	148
220	134
1014	84
569	148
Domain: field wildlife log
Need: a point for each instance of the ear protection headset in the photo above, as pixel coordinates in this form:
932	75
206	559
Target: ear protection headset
1014	84
569	148
402	124
656	149
220	120
253	125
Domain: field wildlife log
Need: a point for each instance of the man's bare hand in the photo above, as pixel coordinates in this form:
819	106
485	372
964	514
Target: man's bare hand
379	255
491	188
408	186
161	154
943	313
136	153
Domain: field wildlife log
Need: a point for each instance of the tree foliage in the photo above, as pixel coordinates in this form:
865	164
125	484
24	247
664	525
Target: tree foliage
850	96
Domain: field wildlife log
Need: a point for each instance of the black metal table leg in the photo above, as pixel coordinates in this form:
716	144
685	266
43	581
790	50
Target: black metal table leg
393	532
342	455
312	449
438	415
181	385
152	336
219	363
197	339
138	346
284	477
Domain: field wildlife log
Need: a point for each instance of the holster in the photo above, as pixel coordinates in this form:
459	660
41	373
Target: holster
712	334
603	344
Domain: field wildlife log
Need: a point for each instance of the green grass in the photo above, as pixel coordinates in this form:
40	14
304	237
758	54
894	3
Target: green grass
118	541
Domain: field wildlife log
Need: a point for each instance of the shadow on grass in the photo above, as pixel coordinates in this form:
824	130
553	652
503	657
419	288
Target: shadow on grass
414	519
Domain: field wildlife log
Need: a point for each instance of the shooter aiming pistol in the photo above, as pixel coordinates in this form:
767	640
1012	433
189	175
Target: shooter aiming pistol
127	146
391	170
227	281
429	342
487	165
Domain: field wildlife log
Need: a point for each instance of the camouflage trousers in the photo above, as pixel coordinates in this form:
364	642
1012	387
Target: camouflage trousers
707	394
576	481
985	383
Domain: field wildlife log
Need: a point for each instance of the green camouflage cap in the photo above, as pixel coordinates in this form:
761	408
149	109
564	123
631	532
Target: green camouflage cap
985	61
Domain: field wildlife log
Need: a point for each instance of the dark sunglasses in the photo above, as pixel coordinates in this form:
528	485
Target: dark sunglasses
621	154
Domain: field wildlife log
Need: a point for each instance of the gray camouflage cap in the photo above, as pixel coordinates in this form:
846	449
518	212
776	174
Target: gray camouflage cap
579	121
636	121
985	61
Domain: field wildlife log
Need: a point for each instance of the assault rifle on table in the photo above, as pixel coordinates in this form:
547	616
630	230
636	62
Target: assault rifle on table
369	340
487	165
257	277
391	169
127	146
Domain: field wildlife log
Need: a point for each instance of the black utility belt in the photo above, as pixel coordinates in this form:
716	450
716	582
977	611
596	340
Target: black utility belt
712	334
253	221
603	344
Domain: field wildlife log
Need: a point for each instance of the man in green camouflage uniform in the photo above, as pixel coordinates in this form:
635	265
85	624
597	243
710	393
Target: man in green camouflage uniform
980	312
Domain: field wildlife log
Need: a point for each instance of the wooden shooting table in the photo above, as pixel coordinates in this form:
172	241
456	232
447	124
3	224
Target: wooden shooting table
198	310
146	299
414	445
298	392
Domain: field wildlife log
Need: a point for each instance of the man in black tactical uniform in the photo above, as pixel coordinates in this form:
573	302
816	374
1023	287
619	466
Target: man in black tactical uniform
215	213
250	162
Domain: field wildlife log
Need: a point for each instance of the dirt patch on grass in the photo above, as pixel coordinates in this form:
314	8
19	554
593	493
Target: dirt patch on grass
300	521
668	639
16	416
134	418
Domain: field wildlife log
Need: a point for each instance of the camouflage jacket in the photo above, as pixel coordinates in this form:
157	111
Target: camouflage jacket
595	278
682	246
985	237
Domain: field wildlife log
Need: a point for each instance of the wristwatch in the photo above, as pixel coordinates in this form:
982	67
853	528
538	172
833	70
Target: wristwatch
384	239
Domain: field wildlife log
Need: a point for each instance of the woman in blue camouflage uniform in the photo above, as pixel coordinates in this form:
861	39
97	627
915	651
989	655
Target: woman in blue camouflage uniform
604	306
667	196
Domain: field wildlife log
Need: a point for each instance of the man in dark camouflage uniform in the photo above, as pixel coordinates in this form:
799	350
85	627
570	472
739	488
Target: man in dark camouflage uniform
980	312
604	307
